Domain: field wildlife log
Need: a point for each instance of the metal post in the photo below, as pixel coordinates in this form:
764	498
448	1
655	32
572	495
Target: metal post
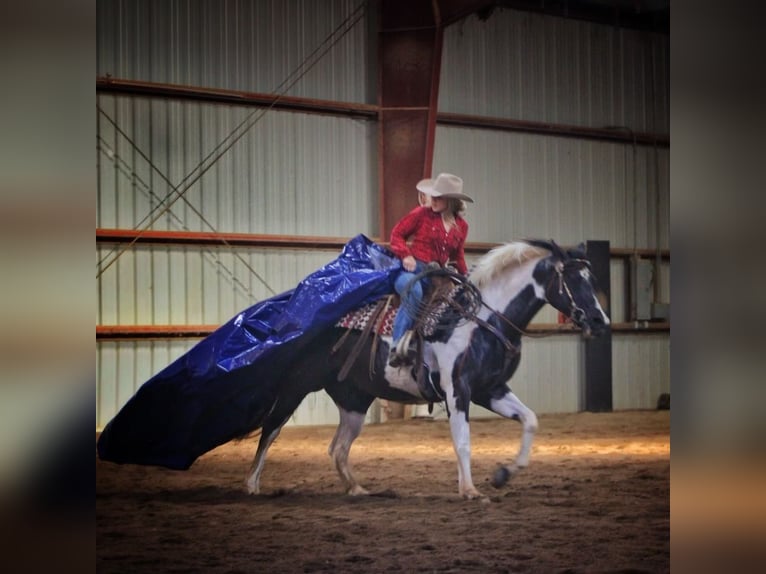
598	351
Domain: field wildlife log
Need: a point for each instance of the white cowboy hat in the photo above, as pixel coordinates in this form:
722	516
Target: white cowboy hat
445	185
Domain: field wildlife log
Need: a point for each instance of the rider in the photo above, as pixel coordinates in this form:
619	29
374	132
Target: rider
437	233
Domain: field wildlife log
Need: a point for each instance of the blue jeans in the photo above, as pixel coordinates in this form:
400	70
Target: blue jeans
404	320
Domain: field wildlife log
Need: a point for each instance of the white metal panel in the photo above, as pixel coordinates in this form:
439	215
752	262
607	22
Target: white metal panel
290	173
569	190
640	370
291	47
190	286
618	288
528	66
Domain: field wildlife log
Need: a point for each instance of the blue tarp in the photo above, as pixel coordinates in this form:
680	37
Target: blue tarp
222	387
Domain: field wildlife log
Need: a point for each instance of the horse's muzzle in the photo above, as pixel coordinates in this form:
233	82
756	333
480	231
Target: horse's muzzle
592	326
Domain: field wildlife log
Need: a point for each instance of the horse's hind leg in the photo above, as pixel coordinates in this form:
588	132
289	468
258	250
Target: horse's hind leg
511	407
272	426
253	480
350	426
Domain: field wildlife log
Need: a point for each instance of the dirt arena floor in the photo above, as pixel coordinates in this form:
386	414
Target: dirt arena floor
595	498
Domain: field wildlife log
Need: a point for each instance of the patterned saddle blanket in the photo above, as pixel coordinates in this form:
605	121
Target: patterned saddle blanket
437	314
359	318
441	308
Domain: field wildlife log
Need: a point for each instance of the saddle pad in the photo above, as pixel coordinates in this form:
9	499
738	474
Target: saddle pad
358	319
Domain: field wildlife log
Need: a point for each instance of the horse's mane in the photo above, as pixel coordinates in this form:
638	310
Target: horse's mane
501	258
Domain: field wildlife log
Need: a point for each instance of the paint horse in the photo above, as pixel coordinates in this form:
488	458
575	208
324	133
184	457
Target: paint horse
472	362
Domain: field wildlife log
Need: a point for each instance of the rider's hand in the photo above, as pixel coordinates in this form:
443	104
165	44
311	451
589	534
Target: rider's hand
409	263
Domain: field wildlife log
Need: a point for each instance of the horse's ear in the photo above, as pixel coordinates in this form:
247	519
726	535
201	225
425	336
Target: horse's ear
578	252
557	251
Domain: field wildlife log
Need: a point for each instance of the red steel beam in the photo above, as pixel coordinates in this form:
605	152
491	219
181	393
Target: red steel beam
153	89
204	238
369	111
104	235
614	134
409	51
135	332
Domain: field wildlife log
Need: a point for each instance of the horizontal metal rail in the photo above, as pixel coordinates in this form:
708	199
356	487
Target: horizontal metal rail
105	235
618	134
139	332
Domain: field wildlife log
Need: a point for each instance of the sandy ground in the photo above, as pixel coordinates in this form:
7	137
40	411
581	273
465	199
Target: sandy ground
595	498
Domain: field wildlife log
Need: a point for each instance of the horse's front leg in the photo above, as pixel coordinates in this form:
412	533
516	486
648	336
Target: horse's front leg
461	442
511	407
350	426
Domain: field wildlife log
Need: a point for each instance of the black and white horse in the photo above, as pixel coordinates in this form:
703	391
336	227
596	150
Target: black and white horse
474	360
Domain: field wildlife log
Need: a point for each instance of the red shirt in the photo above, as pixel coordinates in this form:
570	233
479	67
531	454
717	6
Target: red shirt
429	241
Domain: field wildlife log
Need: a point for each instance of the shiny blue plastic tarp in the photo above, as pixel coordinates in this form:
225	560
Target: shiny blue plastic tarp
222	387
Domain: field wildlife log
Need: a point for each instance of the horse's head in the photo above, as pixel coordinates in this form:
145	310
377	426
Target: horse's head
570	287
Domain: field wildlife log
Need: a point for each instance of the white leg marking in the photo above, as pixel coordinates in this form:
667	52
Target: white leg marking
510	406
253	481
348	430
461	442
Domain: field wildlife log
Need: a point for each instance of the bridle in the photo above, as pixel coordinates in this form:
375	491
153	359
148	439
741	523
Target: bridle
576	312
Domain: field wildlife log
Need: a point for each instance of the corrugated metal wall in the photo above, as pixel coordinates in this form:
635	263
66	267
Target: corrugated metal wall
246	45
568	189
281	177
303	174
529	66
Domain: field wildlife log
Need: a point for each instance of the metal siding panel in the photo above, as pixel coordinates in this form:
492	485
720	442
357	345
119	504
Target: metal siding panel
316	409
262	46
664	281
619	291
641	370
108	295
535	67
549	375
541	186
190	285
107	404
126	373
290	173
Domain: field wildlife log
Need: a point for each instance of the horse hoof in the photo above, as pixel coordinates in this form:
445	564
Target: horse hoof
473	494
251	486
358	491
501	477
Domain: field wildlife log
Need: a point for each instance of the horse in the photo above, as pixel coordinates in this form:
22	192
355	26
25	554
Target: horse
471	362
